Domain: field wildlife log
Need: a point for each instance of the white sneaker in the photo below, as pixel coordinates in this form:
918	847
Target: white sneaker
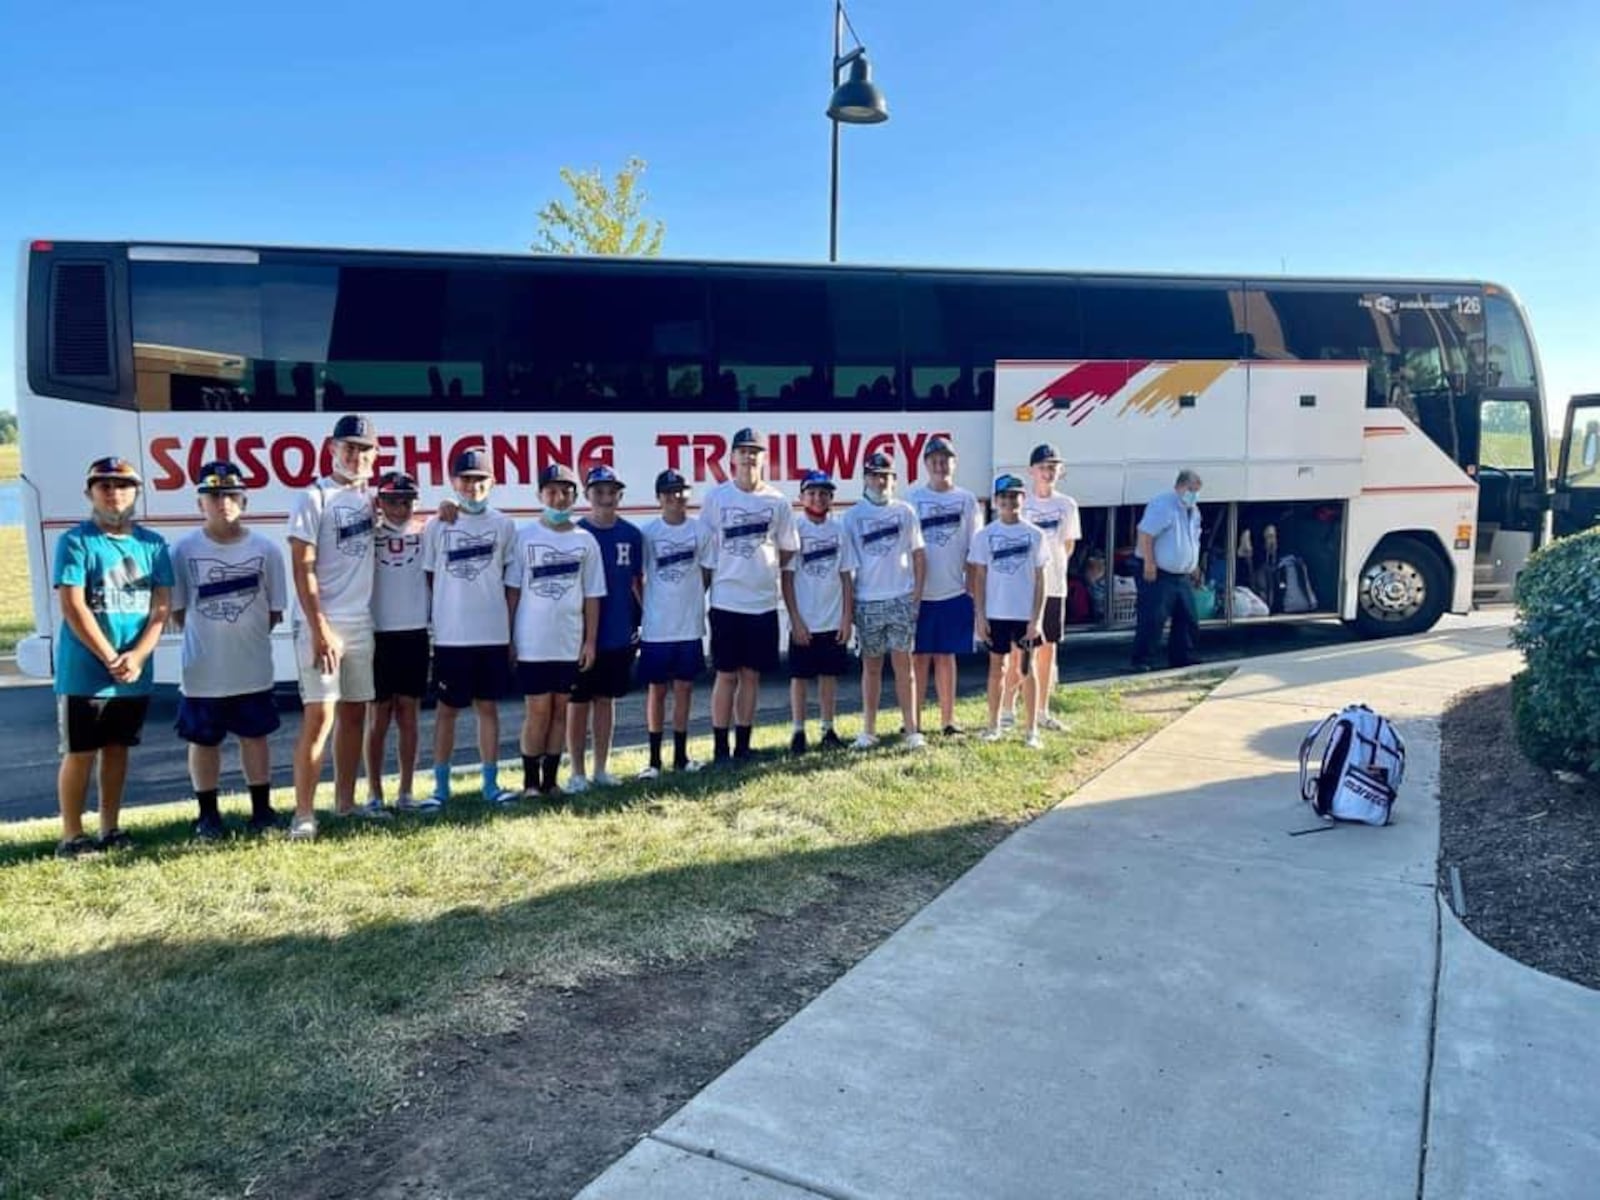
303	829
1008	717
692	766
576	784
1033	741
432	804
915	741
864	741
406	802
604	779
991	735
372	810
1053	724
649	773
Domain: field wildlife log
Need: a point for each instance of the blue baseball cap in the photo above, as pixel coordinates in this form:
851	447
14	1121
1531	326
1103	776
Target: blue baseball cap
1008	483
1044	452
472	461
878	463
749	437
671	481
220	477
558	473
817	479
353	427
600	473
938	445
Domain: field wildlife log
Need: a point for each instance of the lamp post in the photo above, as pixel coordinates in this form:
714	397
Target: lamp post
856	101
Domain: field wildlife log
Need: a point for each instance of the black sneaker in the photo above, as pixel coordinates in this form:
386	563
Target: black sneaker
77	847
210	829
797	744
265	822
117	839
830	741
953	731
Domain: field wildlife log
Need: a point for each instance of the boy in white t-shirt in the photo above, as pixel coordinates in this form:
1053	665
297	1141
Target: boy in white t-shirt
554	583
400	636
949	516
466	562
818	590
890	570
671	638
1009	557
1056	516
229	592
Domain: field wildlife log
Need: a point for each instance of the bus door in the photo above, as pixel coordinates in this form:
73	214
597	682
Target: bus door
1577	493
1511	473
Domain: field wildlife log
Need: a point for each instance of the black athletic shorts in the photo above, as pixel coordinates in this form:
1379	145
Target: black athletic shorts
399	663
94	722
1054	623
824	656
744	641
1005	635
546	677
462	674
608	677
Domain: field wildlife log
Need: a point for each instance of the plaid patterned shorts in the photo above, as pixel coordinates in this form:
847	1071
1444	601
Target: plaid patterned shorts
885	625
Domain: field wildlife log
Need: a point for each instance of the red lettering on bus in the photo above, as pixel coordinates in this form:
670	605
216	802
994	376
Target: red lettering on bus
385	460
509	452
598	451
197	457
301	475
912	444
674	444
835	456
248	449
554	450
161	451
708	451
415	452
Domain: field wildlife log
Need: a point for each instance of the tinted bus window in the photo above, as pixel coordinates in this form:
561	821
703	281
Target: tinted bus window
864	319
772	335
1510	354
1159	320
602	338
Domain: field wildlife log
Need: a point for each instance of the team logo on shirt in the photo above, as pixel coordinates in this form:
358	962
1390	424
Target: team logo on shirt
673	559
467	554
1046	521
1008	552
743	530
124	588
222	591
878	536
552	573
940	522
398	549
354	531
820	556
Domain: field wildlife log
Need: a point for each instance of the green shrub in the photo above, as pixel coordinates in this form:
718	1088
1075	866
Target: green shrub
1556	701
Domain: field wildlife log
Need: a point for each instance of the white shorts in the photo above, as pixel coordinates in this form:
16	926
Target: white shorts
352	681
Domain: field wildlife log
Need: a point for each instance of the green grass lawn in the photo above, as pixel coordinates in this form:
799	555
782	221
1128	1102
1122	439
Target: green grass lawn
10	461
175	1019
16	601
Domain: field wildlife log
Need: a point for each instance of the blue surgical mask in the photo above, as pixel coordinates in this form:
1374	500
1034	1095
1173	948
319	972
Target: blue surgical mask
874	495
472	506
558	516
1189	499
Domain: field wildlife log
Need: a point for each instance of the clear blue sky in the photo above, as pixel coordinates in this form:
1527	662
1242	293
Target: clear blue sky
1418	137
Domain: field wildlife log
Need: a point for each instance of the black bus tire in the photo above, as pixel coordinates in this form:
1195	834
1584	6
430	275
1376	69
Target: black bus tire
1403	589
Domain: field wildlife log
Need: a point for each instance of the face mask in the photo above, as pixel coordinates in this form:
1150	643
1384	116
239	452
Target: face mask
391	526
558	516
472	506
874	495
1189	499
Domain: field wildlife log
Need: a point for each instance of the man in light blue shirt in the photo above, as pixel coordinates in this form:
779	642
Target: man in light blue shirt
1169	558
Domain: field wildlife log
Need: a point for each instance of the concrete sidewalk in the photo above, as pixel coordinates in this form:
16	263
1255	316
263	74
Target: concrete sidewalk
1157	990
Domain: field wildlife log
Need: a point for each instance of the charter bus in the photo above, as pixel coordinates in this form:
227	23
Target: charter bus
1386	436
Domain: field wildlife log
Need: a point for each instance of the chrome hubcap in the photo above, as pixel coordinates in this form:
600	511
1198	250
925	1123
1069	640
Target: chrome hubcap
1393	590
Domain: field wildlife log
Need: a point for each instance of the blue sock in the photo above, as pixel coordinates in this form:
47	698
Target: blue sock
491	780
441	781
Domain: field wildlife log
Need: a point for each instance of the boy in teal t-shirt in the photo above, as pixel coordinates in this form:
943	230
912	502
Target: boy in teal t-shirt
113	579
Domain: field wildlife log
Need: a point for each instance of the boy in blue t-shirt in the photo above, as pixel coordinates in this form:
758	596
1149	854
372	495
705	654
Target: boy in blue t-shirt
114	580
606	680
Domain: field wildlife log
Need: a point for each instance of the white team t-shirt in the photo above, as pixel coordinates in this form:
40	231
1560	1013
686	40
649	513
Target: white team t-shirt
337	519
1012	553
399	587
468	561
826	552
948	519
674	592
748	530
557	570
227	592
1057	518
884	536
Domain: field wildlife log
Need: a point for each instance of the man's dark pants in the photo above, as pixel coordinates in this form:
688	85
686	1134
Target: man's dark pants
1170	594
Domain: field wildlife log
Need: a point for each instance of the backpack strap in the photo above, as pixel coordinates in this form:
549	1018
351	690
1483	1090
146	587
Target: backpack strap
1308	782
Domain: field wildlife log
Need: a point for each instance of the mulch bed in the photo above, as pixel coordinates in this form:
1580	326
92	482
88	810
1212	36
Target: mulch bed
1526	844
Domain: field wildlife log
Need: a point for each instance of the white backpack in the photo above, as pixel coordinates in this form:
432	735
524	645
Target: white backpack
1362	764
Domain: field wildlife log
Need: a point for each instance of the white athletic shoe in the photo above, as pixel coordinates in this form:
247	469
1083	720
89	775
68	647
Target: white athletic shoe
991	735
372	810
406	802
1033	741
915	741
864	741
649	773
691	766
604	779
576	784
1053	724
303	829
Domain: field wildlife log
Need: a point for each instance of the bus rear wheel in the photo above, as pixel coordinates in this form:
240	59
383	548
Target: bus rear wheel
1402	590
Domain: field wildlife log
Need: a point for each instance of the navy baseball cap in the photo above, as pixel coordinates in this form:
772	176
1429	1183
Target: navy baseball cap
353	427
396	485
1008	483
938	445
1044	452
600	473
878	463
749	437
558	473
472	461
671	481
817	479
218	477
113	467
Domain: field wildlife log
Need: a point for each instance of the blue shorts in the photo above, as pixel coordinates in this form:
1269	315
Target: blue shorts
671	662
945	626
208	720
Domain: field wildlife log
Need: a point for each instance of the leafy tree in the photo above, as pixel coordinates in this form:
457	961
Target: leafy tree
600	218
8	428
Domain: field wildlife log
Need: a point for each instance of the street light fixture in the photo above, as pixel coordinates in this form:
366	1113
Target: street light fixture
856	101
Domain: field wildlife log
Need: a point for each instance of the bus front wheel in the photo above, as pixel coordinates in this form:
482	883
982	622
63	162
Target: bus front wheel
1402	590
